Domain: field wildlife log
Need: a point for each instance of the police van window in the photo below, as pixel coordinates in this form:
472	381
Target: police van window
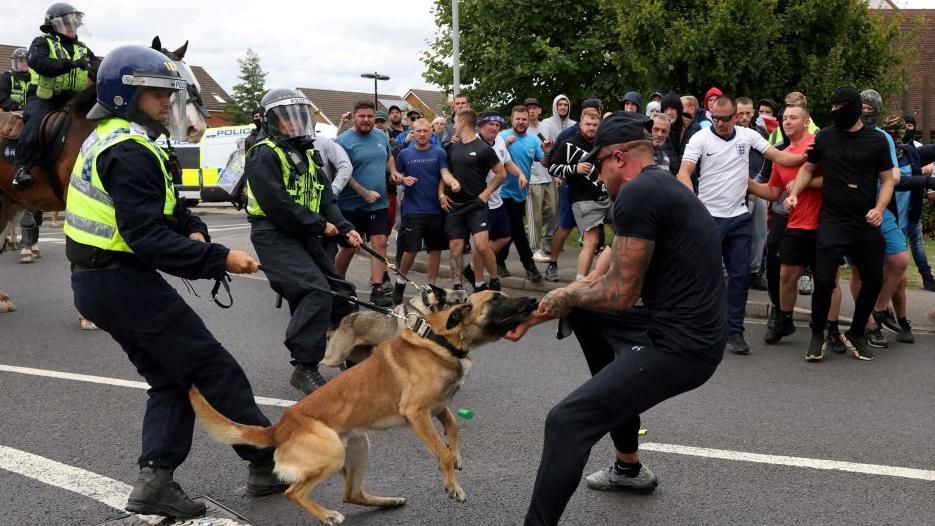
189	158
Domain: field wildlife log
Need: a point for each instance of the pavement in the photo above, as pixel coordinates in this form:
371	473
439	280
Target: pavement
770	439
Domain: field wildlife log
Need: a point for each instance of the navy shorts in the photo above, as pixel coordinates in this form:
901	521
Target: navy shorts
566	218
498	223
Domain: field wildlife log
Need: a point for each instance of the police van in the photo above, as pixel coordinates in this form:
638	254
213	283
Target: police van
204	164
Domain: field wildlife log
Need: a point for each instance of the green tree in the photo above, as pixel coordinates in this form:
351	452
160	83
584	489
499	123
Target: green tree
760	48
249	91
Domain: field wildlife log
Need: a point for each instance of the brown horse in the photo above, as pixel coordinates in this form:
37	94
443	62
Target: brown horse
52	177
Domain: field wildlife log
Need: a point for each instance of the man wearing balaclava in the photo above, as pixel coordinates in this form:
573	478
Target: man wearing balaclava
854	159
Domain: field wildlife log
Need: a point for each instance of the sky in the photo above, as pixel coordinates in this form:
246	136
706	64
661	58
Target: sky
309	44
323	44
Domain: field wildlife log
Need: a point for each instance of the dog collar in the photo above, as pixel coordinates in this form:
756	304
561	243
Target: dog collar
418	325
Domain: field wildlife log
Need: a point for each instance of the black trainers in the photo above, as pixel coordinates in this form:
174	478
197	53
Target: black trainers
887	319
502	271
834	342
398	290
23	180
928	283
858	346
551	272
155	493
468	273
494	284
905	333
262	481
814	353
533	275
778	331
306	378
378	297
876	339
736	344
480	288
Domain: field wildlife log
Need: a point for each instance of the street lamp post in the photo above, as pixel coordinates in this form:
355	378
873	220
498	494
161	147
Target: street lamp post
456	49
376	77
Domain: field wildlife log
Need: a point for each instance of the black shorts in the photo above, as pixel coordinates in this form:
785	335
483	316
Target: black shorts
369	223
498	223
798	247
466	217
423	230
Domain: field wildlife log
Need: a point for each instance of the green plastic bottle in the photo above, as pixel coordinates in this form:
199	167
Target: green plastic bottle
466	414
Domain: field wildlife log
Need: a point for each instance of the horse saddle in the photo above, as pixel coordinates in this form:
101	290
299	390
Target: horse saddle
53	131
11	124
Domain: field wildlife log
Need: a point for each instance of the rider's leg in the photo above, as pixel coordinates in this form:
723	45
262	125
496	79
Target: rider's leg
27	148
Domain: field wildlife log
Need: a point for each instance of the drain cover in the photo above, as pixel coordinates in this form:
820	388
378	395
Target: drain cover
217	515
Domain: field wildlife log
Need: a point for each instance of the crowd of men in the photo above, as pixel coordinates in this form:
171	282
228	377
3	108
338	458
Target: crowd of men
484	181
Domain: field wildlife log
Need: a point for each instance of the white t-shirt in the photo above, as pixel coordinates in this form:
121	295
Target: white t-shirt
499	146
540	174
725	168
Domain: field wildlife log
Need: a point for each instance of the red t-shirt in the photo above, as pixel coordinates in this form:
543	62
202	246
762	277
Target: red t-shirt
805	215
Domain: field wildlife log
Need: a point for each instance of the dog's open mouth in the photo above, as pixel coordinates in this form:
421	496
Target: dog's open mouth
506	313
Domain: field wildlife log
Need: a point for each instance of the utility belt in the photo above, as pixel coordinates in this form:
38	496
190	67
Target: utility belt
85	258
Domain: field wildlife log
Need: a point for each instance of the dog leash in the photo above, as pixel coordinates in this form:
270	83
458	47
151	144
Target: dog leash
413	321
390	265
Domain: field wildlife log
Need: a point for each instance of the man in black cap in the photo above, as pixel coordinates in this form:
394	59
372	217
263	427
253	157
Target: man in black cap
666	251
855	159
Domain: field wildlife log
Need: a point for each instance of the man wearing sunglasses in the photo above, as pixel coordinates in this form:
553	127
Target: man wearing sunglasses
723	154
666	252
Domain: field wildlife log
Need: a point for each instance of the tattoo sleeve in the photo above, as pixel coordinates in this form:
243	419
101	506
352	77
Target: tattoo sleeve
622	285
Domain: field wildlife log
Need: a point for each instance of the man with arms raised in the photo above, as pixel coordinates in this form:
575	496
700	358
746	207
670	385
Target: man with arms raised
665	252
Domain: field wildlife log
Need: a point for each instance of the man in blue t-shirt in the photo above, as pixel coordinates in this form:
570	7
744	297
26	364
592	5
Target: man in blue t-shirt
422	167
364	201
524	149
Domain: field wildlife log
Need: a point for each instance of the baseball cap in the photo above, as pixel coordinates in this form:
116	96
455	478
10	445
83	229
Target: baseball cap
531	101
381	116
767	102
621	127
410	113
393	107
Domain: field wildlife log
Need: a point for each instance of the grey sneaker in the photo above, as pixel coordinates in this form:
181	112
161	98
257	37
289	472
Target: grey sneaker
551	272
905	333
608	479
834	342
815	349
876	339
736	344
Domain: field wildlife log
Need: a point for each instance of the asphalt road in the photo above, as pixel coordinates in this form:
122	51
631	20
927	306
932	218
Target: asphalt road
875	415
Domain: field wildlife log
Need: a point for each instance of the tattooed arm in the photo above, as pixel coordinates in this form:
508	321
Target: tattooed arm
618	289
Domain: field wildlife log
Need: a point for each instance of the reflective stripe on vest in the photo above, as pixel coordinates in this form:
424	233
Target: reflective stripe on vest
18	90
305	189
90	217
73	80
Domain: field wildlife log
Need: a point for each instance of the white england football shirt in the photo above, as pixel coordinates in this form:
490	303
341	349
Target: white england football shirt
499	146
725	168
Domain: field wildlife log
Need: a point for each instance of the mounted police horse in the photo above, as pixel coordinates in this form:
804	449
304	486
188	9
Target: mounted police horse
63	132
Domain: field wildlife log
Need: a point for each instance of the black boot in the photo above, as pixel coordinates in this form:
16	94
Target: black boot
23	180
155	493
306	378
261	481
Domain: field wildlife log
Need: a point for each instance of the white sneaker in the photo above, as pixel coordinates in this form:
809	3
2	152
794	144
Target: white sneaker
25	256
541	257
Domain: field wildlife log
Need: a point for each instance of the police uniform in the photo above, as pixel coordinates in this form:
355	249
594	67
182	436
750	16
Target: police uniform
123	225
289	202
13	89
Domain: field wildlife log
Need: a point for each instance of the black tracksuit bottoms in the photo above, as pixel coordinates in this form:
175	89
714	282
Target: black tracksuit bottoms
630	375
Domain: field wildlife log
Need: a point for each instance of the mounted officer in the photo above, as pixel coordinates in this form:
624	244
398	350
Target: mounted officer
123	225
15	83
291	208
60	65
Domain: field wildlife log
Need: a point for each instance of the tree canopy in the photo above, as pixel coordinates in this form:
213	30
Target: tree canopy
511	49
249	91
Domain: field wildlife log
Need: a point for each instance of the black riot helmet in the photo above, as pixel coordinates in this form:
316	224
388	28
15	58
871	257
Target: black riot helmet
19	61
60	16
287	114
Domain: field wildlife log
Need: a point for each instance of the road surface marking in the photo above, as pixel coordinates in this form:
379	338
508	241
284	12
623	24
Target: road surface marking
723	454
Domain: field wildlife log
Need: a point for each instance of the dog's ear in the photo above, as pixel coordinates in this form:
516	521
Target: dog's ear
441	297
457	316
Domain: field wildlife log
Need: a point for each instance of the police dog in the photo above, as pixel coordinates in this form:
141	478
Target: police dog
360	332
408	380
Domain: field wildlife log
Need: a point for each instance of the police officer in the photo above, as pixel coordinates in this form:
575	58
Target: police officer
60	64
14	83
124	225
292	208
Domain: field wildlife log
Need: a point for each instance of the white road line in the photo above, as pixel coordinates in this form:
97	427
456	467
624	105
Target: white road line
799	462
105	490
262	400
723	454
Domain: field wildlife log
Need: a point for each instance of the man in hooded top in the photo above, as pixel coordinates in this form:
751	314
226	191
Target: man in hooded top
633	101
683	127
560	119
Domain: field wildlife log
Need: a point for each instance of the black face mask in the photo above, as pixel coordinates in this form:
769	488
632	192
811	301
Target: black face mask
869	118
909	136
849	112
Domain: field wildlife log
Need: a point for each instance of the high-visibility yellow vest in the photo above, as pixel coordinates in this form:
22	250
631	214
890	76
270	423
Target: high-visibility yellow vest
73	80
304	188
18	89
90	217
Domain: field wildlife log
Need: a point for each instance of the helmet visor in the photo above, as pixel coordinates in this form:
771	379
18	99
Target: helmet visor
68	24
290	120
20	65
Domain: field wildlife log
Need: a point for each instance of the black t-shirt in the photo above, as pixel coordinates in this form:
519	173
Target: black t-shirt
683	290
851	163
469	164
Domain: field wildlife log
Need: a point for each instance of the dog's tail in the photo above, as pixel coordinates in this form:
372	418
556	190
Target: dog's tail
225	430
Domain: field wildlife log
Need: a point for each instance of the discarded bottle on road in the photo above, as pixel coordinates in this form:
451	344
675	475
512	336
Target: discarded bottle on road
466	414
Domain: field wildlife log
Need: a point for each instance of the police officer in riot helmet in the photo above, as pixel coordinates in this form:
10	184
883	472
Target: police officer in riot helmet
63	66
15	83
123	226
293	211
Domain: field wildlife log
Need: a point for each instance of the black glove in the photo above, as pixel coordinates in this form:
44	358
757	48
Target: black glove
82	63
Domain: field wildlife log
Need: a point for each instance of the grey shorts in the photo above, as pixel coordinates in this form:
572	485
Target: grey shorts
592	214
